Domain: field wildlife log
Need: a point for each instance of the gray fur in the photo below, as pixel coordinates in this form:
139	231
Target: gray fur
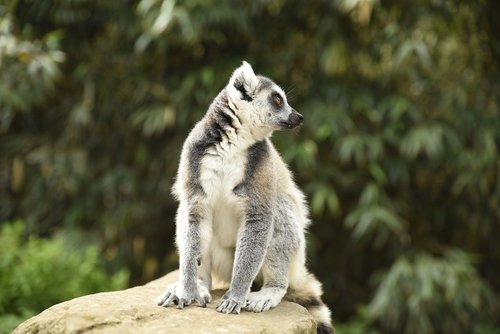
241	216
256	154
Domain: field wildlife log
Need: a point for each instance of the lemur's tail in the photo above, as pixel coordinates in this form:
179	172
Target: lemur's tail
307	293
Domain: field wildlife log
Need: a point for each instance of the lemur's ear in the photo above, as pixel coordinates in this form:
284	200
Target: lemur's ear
243	83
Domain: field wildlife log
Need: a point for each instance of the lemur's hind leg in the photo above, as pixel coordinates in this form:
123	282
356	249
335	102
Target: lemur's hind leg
274	271
204	280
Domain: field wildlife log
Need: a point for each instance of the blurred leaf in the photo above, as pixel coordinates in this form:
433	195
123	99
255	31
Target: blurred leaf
424	139
377	221
414	294
153	120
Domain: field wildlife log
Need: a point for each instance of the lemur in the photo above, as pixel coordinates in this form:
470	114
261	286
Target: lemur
241	217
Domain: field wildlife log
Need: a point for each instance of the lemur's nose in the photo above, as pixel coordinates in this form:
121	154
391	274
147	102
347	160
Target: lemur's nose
295	119
299	116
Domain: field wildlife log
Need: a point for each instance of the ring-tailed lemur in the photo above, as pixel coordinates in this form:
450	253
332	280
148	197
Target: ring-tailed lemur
241	217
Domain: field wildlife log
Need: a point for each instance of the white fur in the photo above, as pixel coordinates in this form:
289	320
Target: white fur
321	313
222	169
263	300
250	80
255	122
174	287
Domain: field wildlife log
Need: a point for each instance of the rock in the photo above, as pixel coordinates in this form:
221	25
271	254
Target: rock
134	311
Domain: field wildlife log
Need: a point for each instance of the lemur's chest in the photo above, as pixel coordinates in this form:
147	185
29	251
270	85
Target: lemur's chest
221	171
219	175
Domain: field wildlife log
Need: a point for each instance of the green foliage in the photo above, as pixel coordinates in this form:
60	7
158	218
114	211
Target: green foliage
429	294
27	70
399	153
37	273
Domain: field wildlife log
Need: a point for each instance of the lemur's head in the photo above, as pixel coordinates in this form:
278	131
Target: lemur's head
259	102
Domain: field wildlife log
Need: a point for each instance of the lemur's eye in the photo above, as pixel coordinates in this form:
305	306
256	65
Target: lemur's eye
277	100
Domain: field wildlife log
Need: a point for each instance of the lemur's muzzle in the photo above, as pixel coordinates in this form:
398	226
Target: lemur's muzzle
295	119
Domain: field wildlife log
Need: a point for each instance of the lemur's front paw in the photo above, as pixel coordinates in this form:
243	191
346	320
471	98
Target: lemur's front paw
204	292
261	301
182	296
231	304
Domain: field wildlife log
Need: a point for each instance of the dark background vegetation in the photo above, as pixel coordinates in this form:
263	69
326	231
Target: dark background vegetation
399	153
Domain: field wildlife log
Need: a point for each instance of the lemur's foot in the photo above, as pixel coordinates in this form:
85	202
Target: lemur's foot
231	304
204	292
182	296
263	300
